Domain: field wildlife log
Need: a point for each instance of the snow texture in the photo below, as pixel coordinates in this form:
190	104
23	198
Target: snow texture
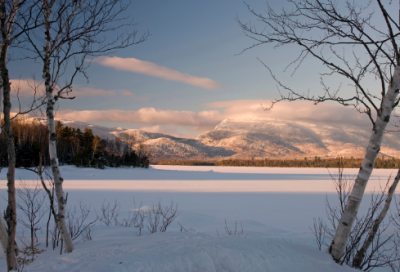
275	206
258	138
183	252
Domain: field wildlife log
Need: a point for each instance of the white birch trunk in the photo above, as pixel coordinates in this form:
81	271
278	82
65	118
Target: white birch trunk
4	240
58	180
339	242
6	29
357	262
3	237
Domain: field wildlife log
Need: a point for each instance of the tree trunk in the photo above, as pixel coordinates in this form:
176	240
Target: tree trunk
357	262
339	242
3	237
11	215
4	240
7	23
58	180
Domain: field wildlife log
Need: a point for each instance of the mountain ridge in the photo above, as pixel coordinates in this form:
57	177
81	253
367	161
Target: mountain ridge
257	138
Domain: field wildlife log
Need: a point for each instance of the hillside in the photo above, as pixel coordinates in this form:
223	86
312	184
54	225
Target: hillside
267	138
292	139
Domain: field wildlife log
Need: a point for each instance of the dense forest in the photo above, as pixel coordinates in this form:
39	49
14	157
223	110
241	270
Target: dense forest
388	163
74	147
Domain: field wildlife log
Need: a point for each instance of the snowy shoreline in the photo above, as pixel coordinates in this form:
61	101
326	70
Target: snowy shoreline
203	179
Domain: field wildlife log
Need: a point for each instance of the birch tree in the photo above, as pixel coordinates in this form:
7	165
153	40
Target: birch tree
7	21
360	255
4	241
74	30
11	13
325	30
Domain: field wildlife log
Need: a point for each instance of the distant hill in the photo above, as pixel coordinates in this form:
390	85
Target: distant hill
268	138
294	139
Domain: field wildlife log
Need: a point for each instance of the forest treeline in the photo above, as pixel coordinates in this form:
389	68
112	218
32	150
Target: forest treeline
74	147
381	162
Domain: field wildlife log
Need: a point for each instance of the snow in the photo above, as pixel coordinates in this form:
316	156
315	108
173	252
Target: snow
275	206
189	252
205	179
258	138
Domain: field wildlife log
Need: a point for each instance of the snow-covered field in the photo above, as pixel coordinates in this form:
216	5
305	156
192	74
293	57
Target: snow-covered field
276	206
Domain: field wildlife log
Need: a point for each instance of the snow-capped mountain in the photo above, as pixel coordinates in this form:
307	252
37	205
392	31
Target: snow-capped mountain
293	139
267	138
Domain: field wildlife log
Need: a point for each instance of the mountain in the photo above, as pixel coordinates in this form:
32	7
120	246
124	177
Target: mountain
272	138
161	146
267	138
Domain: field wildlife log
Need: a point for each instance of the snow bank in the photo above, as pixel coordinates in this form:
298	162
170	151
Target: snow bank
182	252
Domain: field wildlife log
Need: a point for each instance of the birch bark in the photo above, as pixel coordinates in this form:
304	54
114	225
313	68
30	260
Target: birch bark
357	262
339	241
7	22
3	237
11	207
4	240
58	180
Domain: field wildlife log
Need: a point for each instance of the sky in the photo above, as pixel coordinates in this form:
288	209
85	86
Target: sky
189	75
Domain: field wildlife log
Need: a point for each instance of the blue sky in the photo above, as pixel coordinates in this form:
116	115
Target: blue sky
198	38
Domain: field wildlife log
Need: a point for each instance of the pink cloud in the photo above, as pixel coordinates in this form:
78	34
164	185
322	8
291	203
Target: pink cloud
90	92
151	69
80	91
26	87
170	131
126	93
296	111
160	121
200	121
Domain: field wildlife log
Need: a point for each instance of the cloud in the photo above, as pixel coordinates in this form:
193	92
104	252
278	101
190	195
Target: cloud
94	92
154	129
169	131
295	111
126	93
200	121
151	69
192	123
26	87
91	92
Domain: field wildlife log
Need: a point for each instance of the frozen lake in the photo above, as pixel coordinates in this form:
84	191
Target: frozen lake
284	198
277	203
